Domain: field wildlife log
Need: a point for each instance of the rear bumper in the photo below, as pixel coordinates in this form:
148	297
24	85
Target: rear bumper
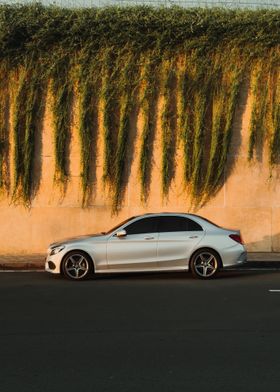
235	256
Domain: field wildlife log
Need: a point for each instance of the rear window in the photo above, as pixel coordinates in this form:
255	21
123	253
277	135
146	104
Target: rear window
177	223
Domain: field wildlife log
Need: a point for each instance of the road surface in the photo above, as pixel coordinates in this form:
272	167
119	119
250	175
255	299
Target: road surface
162	332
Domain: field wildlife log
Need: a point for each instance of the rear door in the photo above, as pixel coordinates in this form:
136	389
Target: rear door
178	237
137	251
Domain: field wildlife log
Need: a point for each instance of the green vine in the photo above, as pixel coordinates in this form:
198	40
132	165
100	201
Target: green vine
4	125
88	87
275	118
235	77
200	107
259	92
127	85
216	140
62	91
111	109
103	52
148	104
186	87
27	113
167	125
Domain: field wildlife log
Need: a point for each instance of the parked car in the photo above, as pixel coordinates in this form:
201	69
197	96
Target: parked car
150	242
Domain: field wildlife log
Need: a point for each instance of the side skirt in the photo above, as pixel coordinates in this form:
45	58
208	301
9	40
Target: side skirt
129	270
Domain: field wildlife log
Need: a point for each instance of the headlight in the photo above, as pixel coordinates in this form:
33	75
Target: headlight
56	250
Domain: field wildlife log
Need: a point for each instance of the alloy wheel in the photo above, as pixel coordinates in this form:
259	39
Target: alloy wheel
205	264
76	266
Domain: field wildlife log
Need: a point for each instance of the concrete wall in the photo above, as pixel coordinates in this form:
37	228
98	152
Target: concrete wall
249	199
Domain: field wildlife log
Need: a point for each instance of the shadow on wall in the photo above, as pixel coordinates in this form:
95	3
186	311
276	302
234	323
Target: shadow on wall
266	244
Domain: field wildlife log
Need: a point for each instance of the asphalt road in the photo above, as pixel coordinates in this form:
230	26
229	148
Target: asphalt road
140	333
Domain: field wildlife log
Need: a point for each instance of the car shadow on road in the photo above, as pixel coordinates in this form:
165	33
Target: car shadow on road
179	276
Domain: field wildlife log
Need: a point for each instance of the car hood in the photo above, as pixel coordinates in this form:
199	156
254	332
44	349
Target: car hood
72	240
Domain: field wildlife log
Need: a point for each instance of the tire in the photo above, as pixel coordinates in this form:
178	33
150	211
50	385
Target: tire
76	265
205	263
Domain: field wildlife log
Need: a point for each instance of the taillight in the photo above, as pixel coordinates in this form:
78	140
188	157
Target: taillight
237	238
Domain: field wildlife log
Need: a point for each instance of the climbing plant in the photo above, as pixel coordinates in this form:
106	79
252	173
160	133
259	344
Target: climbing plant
62	92
186	90
148	105
4	125
259	87
168	123
89	93
275	117
128	83
115	59
27	112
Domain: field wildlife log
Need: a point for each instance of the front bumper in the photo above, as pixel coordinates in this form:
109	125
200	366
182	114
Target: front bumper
52	263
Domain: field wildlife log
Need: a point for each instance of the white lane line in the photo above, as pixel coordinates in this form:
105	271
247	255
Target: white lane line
253	269
274	291
1	271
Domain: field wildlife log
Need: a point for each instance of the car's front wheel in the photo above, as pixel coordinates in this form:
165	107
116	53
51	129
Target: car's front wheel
76	265
205	263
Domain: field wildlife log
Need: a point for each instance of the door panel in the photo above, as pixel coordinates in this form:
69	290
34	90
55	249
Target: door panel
175	248
138	249
133	252
178	236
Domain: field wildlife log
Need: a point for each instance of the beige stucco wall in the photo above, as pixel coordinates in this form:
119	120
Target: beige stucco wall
249	200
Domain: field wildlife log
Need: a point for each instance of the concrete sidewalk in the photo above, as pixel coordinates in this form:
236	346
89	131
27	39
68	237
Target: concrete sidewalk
37	261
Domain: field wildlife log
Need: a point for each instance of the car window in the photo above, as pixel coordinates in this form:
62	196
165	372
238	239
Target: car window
141	226
177	223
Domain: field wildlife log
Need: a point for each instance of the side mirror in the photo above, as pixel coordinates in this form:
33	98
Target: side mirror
121	233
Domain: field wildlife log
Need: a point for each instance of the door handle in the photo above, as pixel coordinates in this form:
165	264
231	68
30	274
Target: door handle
149	238
194	236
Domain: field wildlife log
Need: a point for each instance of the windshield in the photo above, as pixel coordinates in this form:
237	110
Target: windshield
119	225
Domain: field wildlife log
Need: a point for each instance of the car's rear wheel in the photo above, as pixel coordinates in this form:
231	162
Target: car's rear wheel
76	265
205	263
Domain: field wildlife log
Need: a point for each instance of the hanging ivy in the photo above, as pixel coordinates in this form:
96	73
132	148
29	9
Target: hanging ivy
259	87
128	84
168	124
186	91
204	55
226	83
275	117
235	79
89	93
148	104
62	91
27	113
4	126
111	111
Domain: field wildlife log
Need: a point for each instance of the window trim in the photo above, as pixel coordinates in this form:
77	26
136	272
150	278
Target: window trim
201	222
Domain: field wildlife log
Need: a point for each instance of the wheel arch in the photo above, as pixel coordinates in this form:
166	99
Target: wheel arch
205	248
80	251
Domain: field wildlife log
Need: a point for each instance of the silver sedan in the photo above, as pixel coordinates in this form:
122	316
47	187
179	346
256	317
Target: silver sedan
151	242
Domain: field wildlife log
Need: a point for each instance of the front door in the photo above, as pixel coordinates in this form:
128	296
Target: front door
137	251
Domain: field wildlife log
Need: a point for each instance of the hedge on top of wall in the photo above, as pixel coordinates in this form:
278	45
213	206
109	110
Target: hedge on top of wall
122	60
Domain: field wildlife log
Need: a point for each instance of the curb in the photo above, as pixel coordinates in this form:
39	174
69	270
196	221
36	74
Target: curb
22	266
